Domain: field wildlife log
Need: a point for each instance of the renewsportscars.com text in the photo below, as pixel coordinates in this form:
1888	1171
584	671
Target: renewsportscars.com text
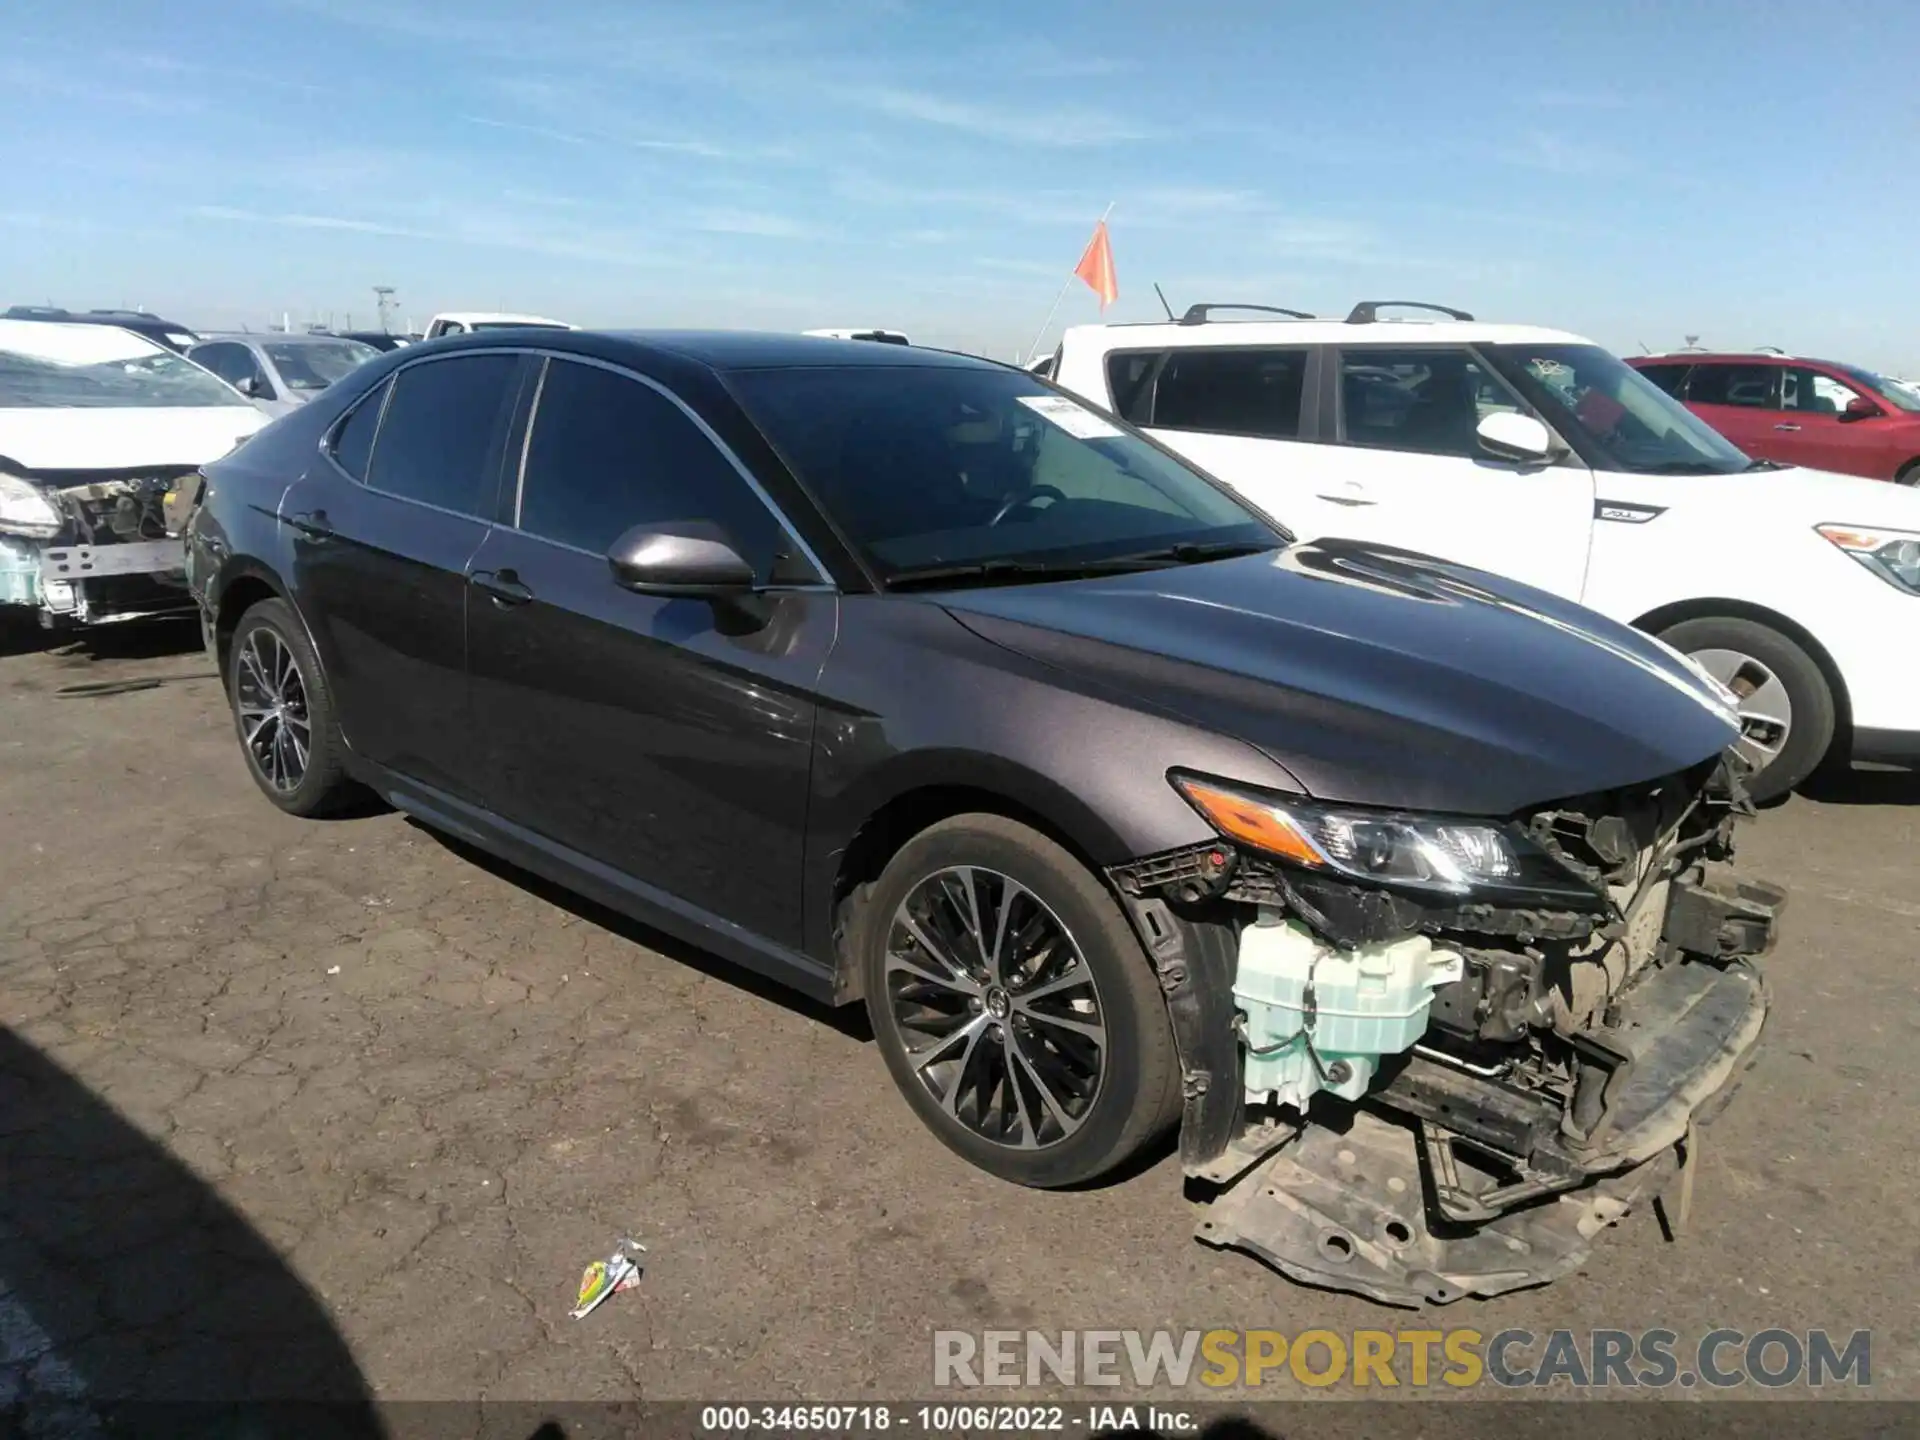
1382	1359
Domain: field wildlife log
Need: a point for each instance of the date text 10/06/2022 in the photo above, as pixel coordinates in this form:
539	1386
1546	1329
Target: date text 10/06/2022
943	1419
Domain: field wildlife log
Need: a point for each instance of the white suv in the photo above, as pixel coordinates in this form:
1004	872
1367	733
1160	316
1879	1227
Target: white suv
1538	455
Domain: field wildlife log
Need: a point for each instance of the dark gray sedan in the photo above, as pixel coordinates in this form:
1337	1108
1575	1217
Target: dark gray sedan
908	679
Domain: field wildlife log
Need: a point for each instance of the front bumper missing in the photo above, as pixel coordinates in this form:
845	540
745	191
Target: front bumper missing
1348	1207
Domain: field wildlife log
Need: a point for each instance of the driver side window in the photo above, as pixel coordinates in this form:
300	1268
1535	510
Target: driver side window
608	452
1813	393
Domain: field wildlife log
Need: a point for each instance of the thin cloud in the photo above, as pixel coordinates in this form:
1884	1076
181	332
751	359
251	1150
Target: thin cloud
752	222
1070	127
296	221
699	149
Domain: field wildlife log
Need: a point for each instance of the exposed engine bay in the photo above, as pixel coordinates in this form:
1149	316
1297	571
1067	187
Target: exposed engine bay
1425	1095
90	547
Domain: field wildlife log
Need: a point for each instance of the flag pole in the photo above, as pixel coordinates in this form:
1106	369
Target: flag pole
1034	349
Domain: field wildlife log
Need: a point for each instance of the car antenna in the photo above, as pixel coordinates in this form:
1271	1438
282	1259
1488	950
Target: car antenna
1163	299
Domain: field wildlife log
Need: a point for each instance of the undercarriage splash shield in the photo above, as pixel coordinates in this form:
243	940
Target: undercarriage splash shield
1346	1210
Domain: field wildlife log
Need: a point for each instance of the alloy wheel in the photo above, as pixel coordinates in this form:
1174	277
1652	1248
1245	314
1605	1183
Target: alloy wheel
996	1008
271	698
1766	710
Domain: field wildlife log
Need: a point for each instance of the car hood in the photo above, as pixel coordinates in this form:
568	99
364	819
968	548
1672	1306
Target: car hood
1792	495
123	439
1375	676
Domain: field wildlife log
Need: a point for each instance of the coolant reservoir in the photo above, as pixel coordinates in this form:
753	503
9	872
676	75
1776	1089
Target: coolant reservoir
1366	1003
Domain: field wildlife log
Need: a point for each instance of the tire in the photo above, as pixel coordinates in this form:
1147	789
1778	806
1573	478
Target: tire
269	644
1099	979
1909	474
1742	652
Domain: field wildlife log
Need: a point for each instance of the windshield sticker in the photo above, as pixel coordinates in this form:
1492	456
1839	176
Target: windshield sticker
1076	420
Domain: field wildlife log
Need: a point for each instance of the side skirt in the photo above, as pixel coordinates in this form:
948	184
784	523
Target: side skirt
599	882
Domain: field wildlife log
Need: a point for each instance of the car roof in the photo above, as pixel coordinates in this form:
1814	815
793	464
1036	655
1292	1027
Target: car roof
17	329
476	317
728	350
269	337
1739	357
1385	334
125	319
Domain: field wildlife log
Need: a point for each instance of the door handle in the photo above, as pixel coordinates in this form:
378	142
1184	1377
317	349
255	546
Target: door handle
502	585
1786	427
313	524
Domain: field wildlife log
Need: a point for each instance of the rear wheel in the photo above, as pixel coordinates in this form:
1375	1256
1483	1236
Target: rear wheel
1014	1007
1787	711
1910	475
283	713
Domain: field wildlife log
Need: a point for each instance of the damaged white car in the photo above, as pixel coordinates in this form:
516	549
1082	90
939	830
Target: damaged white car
97	427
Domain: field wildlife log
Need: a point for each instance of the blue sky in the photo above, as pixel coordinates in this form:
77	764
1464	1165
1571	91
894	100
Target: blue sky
1635	171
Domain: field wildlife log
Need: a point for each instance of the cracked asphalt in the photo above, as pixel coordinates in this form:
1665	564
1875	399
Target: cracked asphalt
317	1109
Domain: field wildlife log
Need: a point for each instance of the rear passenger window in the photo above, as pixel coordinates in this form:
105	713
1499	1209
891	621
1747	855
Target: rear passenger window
1429	401
440	439
352	445
1127	374
1667	377
1231	392
1750	386
608	453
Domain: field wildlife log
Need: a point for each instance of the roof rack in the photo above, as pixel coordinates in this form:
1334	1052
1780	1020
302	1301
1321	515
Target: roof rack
1768	350
1198	314
1368	311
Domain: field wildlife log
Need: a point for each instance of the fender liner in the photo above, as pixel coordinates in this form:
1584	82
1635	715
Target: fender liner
1195	963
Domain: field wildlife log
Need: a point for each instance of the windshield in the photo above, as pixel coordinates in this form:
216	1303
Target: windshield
314	366
1898	393
1612	414
928	467
99	367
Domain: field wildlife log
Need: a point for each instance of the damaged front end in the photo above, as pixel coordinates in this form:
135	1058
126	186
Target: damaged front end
87	547
1431	1057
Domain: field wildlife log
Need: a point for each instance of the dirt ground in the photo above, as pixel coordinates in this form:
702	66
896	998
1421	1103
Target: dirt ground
345	1105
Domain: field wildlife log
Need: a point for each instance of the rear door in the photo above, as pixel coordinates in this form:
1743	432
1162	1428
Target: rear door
1408	469
1739	399
382	529
1241	413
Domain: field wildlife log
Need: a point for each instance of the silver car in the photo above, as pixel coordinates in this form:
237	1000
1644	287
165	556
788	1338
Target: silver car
281	372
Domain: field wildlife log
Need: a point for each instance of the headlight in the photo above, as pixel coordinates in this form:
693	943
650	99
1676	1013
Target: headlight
1893	555
1453	856
25	510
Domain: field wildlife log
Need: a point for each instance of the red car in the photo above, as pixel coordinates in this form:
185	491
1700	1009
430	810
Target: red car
1814	413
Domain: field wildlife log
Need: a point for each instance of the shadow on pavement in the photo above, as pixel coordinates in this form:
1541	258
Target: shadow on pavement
133	1299
849	1020
154	639
1865	787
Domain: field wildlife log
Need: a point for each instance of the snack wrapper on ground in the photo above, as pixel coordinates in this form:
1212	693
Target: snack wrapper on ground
619	1271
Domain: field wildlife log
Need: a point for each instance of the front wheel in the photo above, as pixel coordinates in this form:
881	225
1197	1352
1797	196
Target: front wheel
1014	1006
1787	710
1910	475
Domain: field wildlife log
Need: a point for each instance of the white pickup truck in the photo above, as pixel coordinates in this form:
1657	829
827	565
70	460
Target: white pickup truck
465	322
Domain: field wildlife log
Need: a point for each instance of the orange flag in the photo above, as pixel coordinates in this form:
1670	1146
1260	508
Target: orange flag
1096	267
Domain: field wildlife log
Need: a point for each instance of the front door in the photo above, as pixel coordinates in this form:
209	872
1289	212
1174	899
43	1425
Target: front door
1408	470
667	738
382	527
1812	427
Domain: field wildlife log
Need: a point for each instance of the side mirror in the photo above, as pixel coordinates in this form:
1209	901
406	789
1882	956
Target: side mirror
680	557
1860	408
250	386
1509	435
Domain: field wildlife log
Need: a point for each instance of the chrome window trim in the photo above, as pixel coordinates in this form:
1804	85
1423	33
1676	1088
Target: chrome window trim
712	438
526	438
391	381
